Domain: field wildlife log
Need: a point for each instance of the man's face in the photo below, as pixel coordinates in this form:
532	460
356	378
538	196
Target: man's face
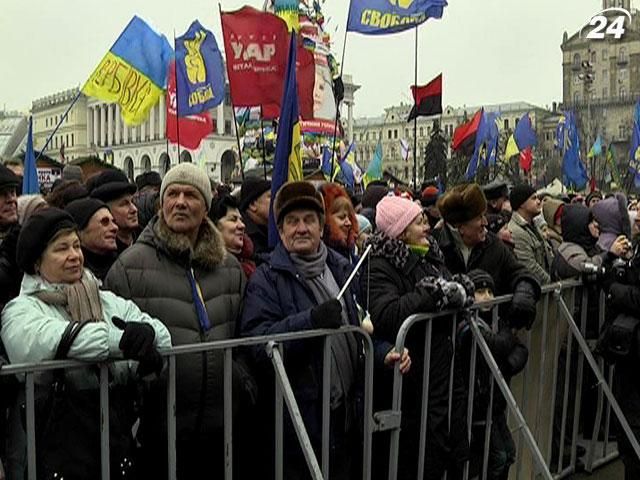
533	206
183	208
474	231
260	207
301	231
8	206
124	212
99	235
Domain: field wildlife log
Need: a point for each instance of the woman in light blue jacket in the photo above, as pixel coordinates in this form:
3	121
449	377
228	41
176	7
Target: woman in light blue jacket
56	290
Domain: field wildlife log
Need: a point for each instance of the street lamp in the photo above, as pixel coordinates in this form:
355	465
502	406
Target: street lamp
588	76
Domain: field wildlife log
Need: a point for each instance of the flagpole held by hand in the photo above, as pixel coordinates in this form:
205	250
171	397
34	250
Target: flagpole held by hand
366	322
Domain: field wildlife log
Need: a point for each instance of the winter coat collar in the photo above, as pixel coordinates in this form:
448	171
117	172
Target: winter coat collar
32	284
208	253
280	260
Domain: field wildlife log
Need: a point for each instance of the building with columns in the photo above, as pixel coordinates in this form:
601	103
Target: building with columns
71	137
94	127
350	90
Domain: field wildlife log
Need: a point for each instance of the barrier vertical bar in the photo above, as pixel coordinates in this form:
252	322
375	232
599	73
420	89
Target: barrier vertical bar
31	425
601	380
326	410
171	419
228	414
543	362
279	427
104	422
424	413
471	388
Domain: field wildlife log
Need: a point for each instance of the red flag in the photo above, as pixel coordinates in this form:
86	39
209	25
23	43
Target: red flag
526	159
465	134
427	99
192	128
256	46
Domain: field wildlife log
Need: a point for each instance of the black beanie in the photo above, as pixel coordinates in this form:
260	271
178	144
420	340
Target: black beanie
82	210
251	189
482	279
110	185
36	234
520	194
148	179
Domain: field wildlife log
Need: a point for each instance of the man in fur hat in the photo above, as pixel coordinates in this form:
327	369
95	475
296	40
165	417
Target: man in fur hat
179	272
467	245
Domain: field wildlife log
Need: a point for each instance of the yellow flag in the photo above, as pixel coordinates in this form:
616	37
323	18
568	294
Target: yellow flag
512	148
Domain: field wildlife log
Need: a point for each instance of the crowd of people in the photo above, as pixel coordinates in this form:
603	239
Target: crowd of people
121	270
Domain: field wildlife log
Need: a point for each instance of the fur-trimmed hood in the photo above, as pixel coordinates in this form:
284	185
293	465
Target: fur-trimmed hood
209	252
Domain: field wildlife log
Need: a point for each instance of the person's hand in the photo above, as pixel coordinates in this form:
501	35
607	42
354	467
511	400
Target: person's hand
394	357
137	338
327	314
621	246
150	363
522	312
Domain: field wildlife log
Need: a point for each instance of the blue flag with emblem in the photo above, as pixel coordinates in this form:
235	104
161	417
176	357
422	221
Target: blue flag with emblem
380	17
524	133
634	151
574	173
199	71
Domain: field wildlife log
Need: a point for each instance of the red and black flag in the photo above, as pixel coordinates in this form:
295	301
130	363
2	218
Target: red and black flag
427	99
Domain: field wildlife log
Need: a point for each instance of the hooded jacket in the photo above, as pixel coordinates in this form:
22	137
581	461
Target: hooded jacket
613	219
32	329
156	273
554	232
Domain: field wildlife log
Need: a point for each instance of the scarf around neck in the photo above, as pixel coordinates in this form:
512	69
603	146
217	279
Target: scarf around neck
81	299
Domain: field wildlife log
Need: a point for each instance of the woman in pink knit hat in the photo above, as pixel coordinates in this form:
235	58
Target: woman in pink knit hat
407	276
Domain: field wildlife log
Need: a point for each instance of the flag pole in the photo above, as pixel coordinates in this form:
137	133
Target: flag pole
335	125
415	118
62	119
264	145
233	110
175	78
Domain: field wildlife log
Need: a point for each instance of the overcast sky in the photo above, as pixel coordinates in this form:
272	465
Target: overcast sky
490	51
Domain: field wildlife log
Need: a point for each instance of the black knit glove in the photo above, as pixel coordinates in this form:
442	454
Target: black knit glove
137	340
152	362
446	295
327	314
523	306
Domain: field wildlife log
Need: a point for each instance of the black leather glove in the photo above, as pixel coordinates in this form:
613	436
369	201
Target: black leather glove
517	359
137	340
327	314
523	306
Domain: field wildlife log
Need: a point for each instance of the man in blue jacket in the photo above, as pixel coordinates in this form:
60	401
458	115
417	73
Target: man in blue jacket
296	290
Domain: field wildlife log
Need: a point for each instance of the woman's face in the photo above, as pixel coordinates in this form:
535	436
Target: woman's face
341	219
594	228
62	260
232	229
417	231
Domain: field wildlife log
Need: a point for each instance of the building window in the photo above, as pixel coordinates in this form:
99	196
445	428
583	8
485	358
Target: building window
395	134
66	139
605	92
506	123
422	131
72	139
389	134
55	142
623	73
576	97
406	133
605	54
605	74
227	127
577	60
367	136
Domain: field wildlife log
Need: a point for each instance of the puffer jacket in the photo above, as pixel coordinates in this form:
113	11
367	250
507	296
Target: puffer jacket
156	273
32	329
396	286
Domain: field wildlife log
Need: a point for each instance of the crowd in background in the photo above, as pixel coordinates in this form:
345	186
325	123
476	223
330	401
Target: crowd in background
121	270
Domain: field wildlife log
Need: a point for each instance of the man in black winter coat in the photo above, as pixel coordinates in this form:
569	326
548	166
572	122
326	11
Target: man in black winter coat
466	245
10	274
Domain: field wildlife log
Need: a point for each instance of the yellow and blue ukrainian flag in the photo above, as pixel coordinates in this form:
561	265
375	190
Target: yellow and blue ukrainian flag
133	73
287	162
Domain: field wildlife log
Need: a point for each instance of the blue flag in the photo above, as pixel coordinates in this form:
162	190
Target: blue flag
524	133
481	136
574	173
374	170
30	180
493	135
346	169
379	17
634	151
287	161
326	162
199	71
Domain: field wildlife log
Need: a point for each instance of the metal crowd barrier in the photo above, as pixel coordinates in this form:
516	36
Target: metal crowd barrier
283	392
530	398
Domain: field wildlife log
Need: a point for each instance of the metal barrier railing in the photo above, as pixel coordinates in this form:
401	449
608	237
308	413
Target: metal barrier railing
283	391
529	414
